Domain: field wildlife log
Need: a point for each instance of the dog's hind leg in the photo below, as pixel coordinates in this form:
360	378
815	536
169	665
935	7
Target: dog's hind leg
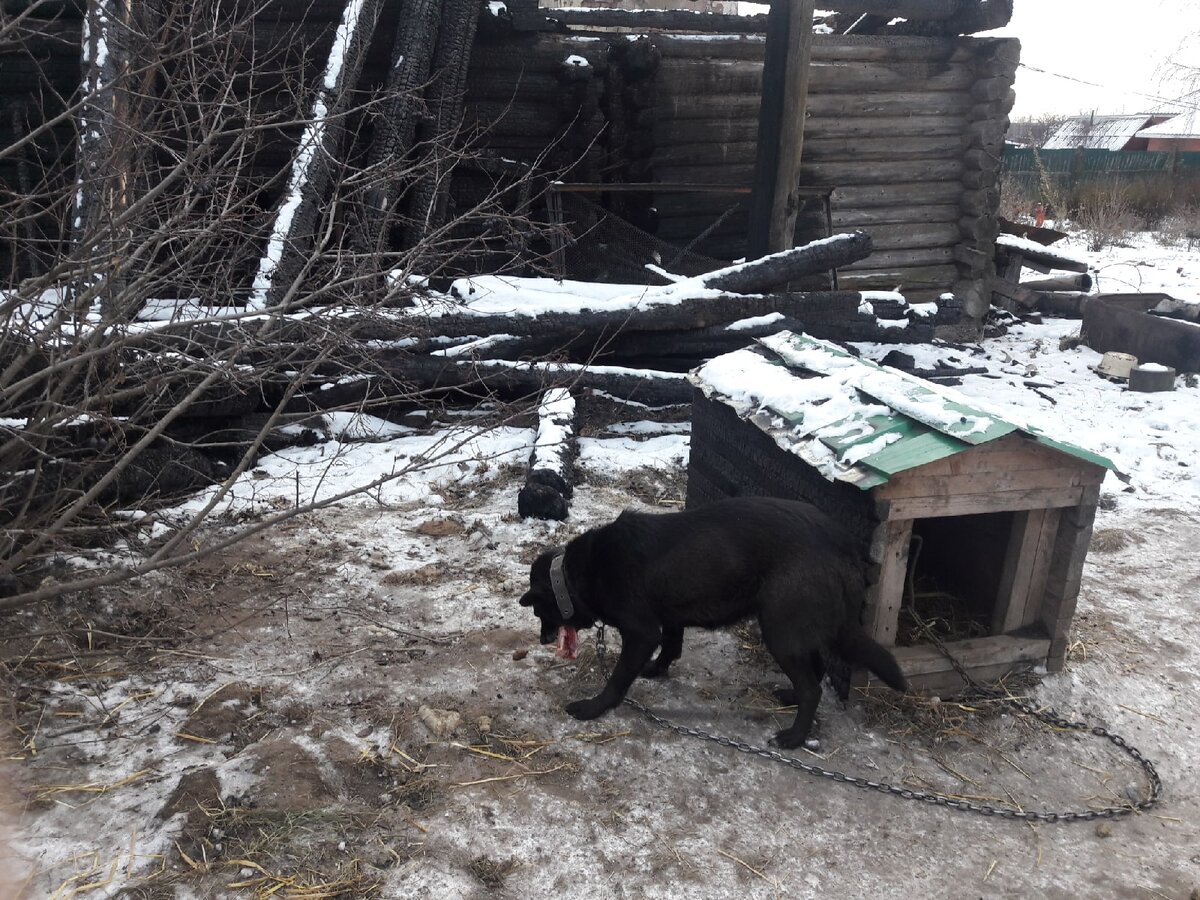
787	696
672	647
807	690
801	663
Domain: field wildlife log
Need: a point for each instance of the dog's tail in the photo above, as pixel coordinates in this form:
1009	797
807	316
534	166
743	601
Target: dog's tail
858	648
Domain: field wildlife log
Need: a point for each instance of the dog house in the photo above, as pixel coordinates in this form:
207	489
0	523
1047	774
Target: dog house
976	528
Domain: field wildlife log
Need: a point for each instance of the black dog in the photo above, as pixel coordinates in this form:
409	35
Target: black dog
650	576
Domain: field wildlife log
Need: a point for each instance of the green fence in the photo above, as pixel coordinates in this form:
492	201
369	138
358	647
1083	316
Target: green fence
1026	162
1153	184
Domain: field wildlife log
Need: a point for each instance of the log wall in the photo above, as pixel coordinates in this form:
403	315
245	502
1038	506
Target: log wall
906	131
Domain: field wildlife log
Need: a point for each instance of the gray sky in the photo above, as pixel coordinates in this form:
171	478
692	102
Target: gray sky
1123	47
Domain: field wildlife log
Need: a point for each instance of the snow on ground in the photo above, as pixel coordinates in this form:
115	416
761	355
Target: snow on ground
355	700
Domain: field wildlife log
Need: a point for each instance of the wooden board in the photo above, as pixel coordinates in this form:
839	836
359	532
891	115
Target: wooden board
968	505
1016	478
973	653
1026	565
986	659
1009	452
889	548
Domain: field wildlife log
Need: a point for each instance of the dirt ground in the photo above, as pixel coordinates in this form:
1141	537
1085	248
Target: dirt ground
355	706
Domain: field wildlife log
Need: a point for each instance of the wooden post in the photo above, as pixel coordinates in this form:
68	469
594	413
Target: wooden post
100	172
396	126
781	127
884	598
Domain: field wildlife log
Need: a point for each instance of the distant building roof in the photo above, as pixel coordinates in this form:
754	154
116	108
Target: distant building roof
1099	132
1184	125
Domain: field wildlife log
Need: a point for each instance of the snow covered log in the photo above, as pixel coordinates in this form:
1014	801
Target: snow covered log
547	490
780	268
653	312
664	19
1081	282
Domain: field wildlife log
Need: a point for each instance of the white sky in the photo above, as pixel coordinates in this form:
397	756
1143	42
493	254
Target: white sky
1123	47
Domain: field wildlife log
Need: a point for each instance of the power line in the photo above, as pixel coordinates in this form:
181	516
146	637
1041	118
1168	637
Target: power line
1177	101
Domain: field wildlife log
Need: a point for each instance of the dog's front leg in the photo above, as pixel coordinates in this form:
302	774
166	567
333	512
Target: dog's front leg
636	650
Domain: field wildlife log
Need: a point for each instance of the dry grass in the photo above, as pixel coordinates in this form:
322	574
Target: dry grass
491	872
1113	540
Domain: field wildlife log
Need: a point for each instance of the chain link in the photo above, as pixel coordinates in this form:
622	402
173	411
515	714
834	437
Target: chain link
933	797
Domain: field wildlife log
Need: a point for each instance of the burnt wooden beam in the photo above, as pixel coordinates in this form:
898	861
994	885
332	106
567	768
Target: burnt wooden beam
783	102
429	201
554	329
974	16
547	491
786	202
647	19
396	125
100	153
294	230
1080	282
779	268
430	374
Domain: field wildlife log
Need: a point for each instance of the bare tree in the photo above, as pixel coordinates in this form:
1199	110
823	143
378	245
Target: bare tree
185	274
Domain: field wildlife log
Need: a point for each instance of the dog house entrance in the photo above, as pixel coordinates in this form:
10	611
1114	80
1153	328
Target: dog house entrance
955	577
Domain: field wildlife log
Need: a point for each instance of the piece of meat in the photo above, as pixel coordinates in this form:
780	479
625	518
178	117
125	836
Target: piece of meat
567	642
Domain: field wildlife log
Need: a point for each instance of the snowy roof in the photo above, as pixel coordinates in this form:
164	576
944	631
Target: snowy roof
852	419
1097	132
1184	125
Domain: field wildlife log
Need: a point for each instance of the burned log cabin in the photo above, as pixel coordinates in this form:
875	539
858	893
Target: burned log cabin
644	124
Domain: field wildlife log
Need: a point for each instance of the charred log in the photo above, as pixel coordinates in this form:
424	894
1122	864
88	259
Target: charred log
547	490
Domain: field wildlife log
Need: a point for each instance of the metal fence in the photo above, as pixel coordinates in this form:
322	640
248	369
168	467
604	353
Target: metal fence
1027	163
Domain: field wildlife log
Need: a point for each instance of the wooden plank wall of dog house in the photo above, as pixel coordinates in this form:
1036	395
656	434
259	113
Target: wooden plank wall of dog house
987	659
902	127
1065	575
737	459
1010	474
1026	569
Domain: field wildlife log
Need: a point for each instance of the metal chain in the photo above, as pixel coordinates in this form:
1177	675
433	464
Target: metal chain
933	797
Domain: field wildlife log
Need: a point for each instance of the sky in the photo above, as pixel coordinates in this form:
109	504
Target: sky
1122	50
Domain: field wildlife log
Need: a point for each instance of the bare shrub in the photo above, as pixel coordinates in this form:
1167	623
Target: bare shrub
1106	215
1182	228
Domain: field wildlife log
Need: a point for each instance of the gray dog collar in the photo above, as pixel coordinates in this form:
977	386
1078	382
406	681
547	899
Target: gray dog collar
558	581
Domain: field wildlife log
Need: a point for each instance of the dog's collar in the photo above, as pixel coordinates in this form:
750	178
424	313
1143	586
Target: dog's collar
558	581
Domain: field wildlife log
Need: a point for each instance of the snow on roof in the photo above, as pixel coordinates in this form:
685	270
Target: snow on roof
1184	125
852	419
1097	132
